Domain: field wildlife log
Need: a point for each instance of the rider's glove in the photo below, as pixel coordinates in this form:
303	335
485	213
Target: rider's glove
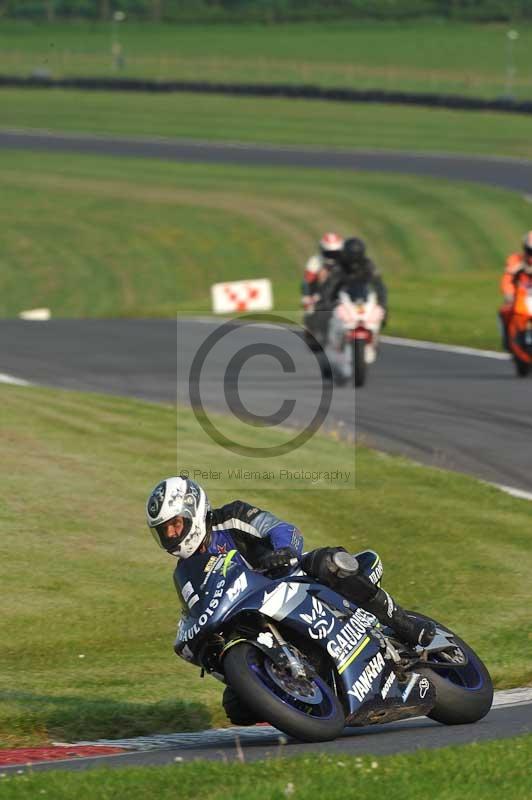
279	562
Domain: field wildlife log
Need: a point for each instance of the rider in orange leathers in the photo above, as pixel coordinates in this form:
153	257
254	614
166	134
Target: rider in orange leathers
518	268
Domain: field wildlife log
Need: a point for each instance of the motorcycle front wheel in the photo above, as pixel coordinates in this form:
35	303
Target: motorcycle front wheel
358	362
522	368
305	708
464	690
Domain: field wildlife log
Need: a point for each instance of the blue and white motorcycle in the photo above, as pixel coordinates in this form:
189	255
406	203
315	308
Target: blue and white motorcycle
309	662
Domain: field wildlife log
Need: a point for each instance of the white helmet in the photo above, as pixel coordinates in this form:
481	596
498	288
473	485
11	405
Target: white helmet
178	497
331	246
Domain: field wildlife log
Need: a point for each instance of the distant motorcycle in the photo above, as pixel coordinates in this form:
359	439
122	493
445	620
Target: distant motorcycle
308	661
519	327
353	335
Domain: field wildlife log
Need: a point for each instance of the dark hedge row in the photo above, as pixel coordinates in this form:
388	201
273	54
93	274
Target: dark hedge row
274	90
268	10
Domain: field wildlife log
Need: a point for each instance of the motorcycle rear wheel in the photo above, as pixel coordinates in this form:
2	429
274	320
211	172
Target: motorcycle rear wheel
259	683
464	694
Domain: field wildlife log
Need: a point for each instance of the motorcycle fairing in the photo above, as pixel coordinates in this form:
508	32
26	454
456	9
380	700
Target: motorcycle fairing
209	588
348	634
366	679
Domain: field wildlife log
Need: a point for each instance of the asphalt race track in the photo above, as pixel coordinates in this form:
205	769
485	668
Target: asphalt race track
508	173
453	410
254	743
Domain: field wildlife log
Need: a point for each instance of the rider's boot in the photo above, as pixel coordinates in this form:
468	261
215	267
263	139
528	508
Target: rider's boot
411	631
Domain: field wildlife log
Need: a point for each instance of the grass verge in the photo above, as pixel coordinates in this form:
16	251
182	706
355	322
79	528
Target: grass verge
95	237
409	56
274	121
478	771
89	611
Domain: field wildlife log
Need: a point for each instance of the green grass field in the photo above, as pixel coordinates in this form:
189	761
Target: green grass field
417	56
285	122
115	237
89	610
484	771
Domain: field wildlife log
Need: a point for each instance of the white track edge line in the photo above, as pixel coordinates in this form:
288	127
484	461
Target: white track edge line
447	348
521	494
393	340
4	378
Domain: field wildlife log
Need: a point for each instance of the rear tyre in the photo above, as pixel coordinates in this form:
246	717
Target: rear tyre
358	362
306	709
464	694
522	368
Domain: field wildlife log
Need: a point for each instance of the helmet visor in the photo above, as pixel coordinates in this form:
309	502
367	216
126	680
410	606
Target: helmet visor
331	255
165	534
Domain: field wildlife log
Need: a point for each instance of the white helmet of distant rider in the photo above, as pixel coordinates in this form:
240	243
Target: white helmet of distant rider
331	247
177	513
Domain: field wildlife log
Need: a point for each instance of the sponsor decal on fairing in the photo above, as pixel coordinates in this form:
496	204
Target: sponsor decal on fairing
362	686
342	646
423	687
410	685
193	600
265	638
388	683
187	590
212	563
319	621
238	587
376	574
187	633
282	600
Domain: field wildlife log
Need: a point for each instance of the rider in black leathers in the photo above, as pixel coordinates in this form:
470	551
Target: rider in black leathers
354	273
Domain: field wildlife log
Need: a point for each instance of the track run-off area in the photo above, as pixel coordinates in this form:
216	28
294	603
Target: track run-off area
453	408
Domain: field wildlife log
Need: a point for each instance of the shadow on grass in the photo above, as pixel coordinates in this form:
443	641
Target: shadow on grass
72	718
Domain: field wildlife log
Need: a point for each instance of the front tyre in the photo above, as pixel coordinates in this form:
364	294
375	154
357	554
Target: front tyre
304	708
522	368
358	362
464	691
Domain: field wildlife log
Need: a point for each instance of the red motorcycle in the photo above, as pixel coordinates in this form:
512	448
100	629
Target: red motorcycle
519	325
